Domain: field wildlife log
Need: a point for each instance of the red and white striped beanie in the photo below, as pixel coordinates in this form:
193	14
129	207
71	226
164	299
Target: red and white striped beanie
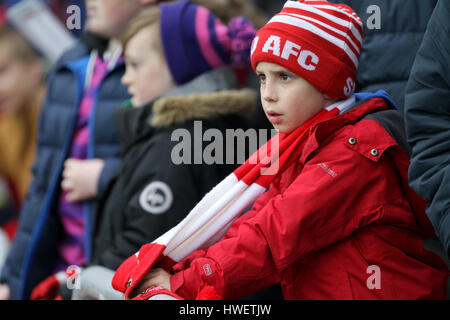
317	40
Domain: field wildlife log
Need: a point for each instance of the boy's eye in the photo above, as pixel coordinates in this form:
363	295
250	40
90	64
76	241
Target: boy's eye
131	64
285	77
262	77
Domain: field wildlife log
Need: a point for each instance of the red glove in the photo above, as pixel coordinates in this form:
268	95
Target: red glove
49	288
122	274
131	272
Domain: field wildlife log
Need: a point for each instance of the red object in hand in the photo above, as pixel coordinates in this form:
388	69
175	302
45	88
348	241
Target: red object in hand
131	272
47	289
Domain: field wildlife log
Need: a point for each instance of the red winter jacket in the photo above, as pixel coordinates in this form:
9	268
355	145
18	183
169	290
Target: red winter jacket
341	223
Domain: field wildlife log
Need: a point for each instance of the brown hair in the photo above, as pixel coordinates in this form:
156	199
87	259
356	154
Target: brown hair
148	17
20	49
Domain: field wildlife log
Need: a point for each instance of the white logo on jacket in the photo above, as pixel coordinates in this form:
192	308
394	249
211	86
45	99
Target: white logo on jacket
156	198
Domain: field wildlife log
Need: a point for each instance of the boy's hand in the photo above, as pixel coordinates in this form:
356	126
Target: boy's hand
80	178
155	278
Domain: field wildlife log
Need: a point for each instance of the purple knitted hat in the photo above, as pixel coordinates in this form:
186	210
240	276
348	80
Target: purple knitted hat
195	41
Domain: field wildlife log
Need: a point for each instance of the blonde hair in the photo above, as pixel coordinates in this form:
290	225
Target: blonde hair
19	48
148	17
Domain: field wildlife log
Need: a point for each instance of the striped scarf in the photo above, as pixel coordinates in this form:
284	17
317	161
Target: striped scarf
209	220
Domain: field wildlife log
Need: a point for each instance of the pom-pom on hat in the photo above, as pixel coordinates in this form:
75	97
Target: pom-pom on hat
317	40
195	41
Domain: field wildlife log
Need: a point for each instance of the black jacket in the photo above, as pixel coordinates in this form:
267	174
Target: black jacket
427	115
150	192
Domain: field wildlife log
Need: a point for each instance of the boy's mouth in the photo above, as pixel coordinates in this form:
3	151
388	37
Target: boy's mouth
274	117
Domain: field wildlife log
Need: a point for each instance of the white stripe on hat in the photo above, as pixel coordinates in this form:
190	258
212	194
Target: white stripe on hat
314	9
299	23
338	9
353	27
342	33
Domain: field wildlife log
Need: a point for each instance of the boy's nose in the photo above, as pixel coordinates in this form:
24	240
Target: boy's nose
268	92
125	79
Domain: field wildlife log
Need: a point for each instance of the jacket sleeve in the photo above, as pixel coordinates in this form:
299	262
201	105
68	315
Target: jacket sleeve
309	215
163	193
109	168
427	117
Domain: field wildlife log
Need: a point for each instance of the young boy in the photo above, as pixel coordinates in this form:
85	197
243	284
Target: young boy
77	151
340	222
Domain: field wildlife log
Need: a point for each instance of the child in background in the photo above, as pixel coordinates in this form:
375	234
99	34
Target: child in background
21	91
77	151
177	79
340	221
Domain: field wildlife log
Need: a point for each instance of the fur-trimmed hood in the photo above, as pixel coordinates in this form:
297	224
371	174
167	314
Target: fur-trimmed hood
178	109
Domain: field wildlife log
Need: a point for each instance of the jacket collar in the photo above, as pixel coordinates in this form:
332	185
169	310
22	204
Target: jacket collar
212	94
95	42
178	109
323	130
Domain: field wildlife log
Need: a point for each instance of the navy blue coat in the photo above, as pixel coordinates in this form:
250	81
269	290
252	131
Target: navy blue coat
34	251
427	115
389	51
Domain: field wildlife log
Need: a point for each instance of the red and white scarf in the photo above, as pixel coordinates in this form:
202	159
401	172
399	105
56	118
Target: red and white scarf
209	220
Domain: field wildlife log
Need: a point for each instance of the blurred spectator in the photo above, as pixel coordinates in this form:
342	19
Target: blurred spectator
21	94
427	115
393	31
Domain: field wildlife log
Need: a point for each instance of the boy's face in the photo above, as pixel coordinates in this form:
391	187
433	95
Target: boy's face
109	18
147	75
287	99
